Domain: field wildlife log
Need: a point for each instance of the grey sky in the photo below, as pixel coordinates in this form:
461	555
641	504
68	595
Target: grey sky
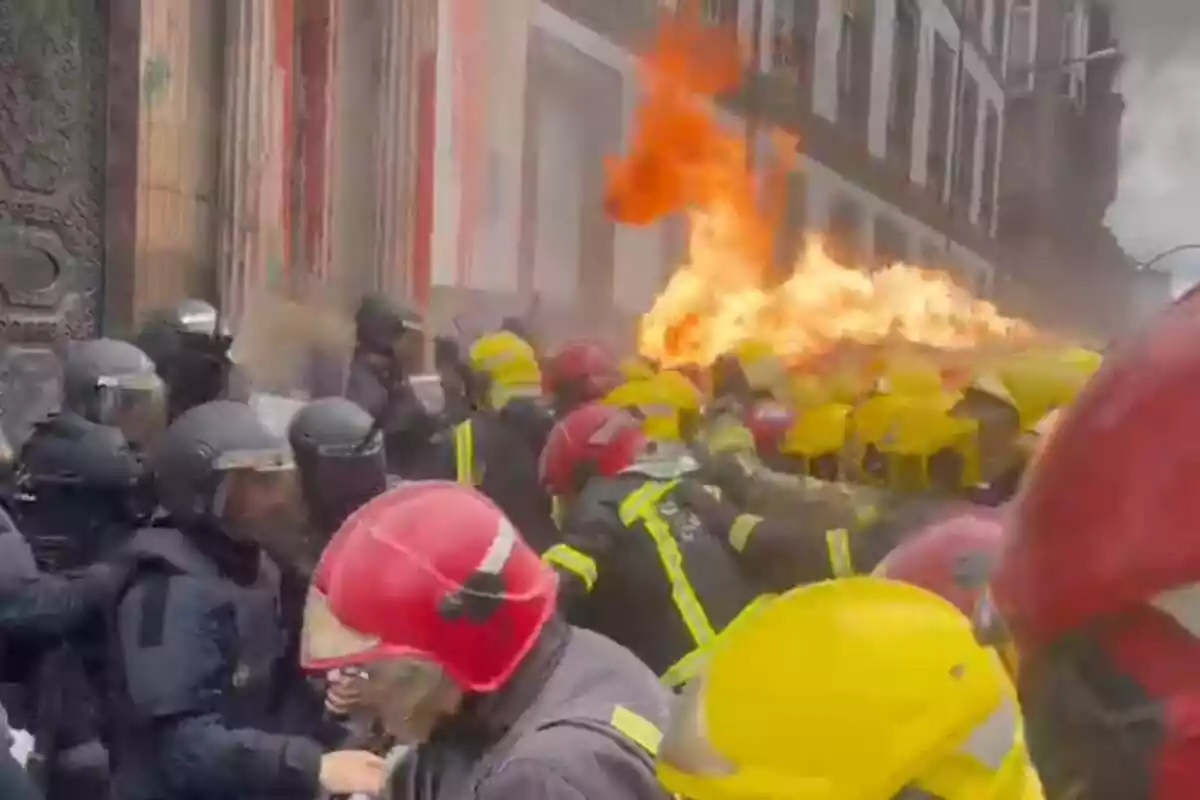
1157	206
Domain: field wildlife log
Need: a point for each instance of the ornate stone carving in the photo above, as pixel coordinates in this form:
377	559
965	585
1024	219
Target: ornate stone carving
52	130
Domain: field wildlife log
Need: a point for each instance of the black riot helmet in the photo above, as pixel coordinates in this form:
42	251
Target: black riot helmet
190	347
219	468
382	324
114	383
340	458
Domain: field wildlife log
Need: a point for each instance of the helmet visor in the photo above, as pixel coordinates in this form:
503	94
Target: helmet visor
991	631
137	404
326	643
258	501
685	748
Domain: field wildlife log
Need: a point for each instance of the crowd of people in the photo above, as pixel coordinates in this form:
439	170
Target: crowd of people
590	578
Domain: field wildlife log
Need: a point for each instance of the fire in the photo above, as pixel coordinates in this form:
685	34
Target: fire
682	160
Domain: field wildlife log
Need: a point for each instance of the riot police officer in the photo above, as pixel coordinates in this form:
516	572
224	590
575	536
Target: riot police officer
197	637
83	487
340	460
341	465
190	346
387	352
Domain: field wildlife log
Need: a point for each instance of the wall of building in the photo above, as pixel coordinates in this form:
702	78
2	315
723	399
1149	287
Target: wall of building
580	90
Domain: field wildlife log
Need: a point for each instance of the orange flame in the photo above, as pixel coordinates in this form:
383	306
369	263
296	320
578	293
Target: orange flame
682	160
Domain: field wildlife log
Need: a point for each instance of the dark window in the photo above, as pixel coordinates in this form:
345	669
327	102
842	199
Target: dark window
964	151
794	40
991	147
902	105
790	238
854	65
999	23
720	12
891	243
843	237
939	118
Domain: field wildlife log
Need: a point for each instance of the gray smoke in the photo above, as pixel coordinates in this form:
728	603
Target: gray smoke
1158	199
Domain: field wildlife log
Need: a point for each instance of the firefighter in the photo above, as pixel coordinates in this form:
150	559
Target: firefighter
496	450
448	618
669	408
84	489
389	338
580	372
1097	579
644	557
819	529
190	345
859	663
196	636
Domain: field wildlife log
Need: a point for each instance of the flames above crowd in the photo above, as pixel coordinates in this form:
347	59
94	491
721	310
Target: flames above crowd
683	160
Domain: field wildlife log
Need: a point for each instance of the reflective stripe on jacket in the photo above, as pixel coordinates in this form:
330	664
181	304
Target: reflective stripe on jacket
649	573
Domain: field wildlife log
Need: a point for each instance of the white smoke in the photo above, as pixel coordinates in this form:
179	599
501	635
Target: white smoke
1159	189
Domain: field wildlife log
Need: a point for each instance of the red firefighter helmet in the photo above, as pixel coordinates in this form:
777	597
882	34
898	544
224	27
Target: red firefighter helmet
432	572
953	557
580	372
769	422
595	439
1108	516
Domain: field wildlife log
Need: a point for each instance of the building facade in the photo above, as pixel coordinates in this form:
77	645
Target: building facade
1060	166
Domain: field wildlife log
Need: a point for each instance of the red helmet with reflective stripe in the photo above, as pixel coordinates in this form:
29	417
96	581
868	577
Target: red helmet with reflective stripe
429	571
954	557
1107	517
595	439
580	372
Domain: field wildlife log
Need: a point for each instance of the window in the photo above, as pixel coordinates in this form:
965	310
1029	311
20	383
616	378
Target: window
972	14
1022	38
793	39
991	154
843	237
790	238
891	243
855	49
902	103
999	18
1074	48
939	118
720	12
964	151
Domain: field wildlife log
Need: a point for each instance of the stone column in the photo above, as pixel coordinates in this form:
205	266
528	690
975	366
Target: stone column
251	197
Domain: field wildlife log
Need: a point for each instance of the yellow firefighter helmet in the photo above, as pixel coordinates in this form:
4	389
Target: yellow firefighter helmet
509	364
1043	379
668	404
636	368
901	697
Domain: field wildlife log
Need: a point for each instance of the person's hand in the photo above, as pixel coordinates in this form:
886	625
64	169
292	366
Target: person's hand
343	693
352	772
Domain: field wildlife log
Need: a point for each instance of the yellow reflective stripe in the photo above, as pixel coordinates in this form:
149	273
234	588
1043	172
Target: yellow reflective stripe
686	668
640	506
577	563
557	510
637	729
837	542
743	526
464	454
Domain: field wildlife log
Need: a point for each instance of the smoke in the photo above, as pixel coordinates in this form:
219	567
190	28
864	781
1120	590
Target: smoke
1160	134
